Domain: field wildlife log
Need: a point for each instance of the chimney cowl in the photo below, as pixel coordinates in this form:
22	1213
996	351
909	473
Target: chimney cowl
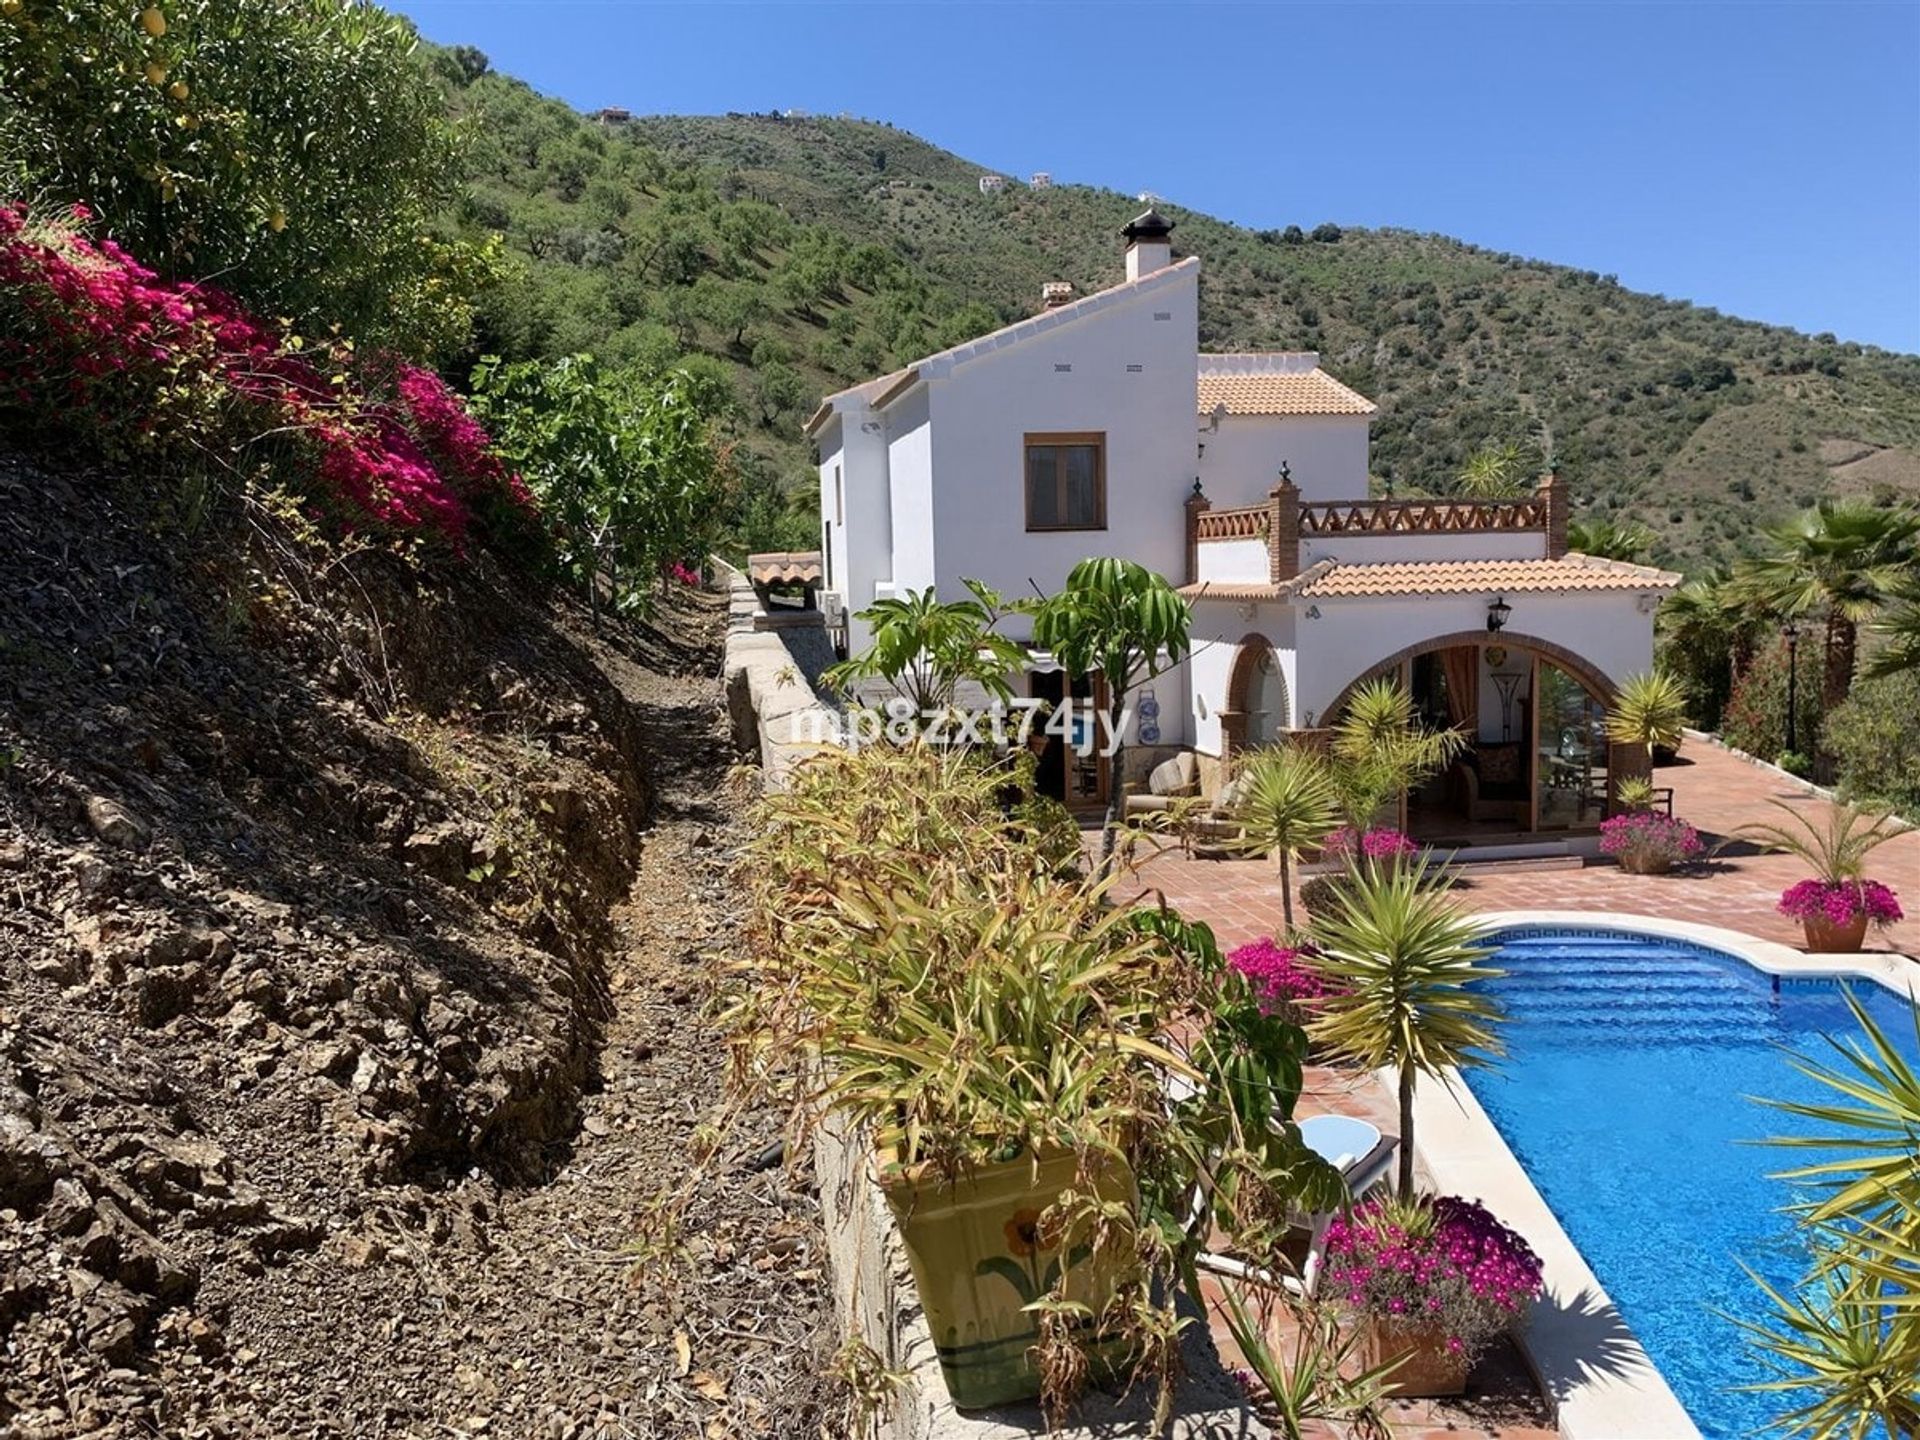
1149	226
1055	293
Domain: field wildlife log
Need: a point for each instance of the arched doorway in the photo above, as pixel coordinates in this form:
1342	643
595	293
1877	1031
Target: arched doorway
1257	703
1536	760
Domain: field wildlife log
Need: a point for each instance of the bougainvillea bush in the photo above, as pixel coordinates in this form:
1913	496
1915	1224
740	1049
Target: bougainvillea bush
1283	978
1445	1262
1381	844
1839	902
98	349
1645	843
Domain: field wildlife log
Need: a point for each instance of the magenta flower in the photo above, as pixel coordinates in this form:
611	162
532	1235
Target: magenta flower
1839	902
1283	978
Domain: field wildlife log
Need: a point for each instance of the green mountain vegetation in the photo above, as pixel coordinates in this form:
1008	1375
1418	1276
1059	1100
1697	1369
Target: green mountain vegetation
794	256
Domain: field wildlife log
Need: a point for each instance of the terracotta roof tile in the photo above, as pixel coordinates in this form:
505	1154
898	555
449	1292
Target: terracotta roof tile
784	567
1302	392
1468	577
1227	590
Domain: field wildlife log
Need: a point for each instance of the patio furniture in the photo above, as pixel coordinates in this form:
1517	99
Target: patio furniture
1491	782
1168	781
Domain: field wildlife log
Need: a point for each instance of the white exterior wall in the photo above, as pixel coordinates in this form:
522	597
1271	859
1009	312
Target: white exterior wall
1236	562
987	405
1326	455
909	436
1219	629
1351	636
862	547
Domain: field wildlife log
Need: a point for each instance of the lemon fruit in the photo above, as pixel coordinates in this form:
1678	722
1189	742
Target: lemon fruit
178	90
277	221
156	73
153	22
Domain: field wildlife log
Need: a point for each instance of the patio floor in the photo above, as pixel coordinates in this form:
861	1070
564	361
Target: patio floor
1735	887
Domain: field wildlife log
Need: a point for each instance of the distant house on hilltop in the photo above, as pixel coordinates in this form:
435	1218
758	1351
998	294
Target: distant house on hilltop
992	184
1041	180
1097	426
612	115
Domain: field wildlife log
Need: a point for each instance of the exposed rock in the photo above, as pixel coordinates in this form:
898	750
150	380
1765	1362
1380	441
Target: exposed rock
115	824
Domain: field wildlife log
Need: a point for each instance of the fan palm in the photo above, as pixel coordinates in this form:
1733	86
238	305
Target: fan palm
1610	539
1843	560
1287	804
1709	630
1898	630
1406	961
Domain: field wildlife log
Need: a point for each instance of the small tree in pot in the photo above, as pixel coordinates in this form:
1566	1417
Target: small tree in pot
1839	902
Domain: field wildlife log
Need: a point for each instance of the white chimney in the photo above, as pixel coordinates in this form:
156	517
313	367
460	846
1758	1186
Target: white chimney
1148	246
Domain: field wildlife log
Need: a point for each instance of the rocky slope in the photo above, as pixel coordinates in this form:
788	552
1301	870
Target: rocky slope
353	928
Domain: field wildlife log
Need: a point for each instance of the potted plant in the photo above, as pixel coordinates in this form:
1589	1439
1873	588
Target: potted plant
1649	712
989	1025
1837	904
1430	1281
1646	843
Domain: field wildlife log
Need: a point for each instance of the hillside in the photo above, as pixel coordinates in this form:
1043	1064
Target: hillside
351	1003
800	255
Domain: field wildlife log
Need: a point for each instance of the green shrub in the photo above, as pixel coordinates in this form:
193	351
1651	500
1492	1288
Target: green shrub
1875	739
1755	719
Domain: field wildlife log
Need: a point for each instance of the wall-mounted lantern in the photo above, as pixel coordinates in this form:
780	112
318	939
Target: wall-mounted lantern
1497	613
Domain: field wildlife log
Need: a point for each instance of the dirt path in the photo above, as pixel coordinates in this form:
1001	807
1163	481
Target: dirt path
578	1345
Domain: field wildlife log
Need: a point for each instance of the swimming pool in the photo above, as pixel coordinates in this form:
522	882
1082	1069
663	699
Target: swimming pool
1623	1095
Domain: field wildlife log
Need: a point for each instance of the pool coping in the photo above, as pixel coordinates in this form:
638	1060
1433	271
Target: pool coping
1628	1399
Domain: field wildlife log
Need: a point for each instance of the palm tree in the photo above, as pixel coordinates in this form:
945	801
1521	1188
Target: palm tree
1898	630
1287	804
1406	960
1610	539
1649	709
1495	472
1836	849
1842	560
1709	631
1379	749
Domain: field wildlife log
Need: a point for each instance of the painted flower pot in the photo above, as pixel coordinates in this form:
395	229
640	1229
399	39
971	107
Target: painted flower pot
978	1260
1428	1366
1826	938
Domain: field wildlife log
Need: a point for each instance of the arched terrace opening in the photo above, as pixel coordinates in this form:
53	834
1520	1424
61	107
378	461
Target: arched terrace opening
1537	760
1258	707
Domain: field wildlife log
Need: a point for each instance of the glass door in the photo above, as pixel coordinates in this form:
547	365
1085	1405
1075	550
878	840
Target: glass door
1570	751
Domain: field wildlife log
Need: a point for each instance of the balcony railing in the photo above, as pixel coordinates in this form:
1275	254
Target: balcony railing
1248	523
1421	517
1285	518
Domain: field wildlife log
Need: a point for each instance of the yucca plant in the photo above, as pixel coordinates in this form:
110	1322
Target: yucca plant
1634	792
1649	710
1287	804
1847	1339
1407	960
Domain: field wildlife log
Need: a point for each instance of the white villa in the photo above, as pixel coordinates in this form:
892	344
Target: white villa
1098	427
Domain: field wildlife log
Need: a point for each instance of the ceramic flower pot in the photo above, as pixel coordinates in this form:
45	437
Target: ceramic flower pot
1826	938
1428	1366
978	1258
1645	864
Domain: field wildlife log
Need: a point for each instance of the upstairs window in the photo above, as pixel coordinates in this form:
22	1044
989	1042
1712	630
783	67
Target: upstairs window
1067	482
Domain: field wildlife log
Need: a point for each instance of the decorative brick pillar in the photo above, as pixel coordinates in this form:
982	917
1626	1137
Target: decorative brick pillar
1553	491
1197	505
1283	529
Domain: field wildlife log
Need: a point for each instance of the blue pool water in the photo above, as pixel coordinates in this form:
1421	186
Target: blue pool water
1624	1095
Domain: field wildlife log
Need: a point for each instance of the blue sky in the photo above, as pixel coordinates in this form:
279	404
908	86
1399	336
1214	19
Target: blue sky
1762	159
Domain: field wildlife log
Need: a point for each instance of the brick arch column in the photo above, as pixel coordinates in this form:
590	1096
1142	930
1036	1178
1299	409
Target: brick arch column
1233	719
